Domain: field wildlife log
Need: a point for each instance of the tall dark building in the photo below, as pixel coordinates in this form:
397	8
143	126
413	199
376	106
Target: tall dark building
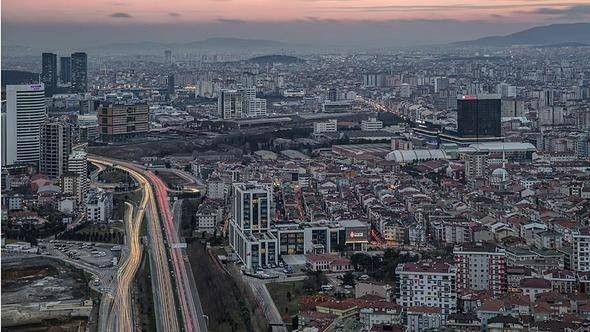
65	69
479	116
49	72
171	83
333	94
79	72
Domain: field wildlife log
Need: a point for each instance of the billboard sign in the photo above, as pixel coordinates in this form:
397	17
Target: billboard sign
357	234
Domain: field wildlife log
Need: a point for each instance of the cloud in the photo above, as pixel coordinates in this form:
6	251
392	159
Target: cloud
571	12
432	8
174	14
230	20
120	15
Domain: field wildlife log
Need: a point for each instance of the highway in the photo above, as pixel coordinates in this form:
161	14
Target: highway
160	216
164	301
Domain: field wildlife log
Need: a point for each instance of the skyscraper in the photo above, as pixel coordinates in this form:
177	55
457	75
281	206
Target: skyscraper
229	104
79	65
65	69
171	84
25	113
479	116
168	56
56	146
49	72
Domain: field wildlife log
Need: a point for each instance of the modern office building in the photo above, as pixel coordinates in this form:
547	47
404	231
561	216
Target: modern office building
65	69
118	122
25	114
427	283
479	116
480	267
171	84
79	69
249	228
168	56
49	72
333	94
56	146
252	106
440	84
78	164
230	104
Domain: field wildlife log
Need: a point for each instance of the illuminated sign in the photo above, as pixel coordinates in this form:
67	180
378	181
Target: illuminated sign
469	97
36	87
357	235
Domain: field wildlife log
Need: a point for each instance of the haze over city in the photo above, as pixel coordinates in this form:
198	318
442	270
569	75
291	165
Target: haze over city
295	166
328	22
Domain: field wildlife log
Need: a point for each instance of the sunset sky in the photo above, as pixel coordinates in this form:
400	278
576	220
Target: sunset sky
27	20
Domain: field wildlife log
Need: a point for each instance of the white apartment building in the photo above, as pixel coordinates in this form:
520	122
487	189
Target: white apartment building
372	124
78	163
330	126
230	104
99	206
581	250
481	267
427	283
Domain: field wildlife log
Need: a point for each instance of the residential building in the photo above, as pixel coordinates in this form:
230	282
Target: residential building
330	126
56	146
581	250
372	124
78	164
99	206
480	267
427	283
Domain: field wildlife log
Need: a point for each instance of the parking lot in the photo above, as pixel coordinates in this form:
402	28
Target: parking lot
97	254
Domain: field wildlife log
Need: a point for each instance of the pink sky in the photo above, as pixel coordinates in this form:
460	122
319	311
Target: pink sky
178	11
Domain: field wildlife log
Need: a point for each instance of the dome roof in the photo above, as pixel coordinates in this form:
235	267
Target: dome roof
500	174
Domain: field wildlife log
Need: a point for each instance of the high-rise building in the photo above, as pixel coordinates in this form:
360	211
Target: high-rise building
249	228
405	90
65	69
120	122
427	283
252	106
440	84
476	165
479	116
230	104
480	267
25	113
49	72
56	146
581	250
78	164
168	56
171	84
506	90
333	94
79	65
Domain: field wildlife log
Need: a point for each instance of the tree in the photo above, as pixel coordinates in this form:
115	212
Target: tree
348	279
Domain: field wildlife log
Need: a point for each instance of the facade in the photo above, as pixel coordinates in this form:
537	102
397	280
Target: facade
256	107
49	72
65	69
372	124
249	227
476	165
79	70
71	185
56	146
328	263
427	283
78	164
25	114
99	206
230	104
481	267
330	126
120	122
581	250
479	116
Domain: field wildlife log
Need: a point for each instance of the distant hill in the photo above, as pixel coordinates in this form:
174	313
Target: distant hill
11	77
217	43
275	59
544	35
